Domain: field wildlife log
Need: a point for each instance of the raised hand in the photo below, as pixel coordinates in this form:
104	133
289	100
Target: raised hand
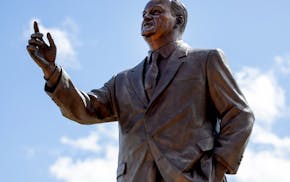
43	54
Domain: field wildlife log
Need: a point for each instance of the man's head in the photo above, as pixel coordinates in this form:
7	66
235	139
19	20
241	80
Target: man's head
163	18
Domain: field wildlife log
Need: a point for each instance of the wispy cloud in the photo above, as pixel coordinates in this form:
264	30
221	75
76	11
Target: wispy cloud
283	63
29	152
65	40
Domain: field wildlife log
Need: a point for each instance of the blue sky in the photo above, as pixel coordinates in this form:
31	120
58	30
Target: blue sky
97	39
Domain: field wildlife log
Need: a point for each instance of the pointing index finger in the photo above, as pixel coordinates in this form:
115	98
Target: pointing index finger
35	26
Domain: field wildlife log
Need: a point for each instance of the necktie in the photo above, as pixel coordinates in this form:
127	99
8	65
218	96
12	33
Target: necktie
151	75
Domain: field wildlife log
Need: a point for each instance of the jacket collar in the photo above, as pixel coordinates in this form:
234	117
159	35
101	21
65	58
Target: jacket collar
174	62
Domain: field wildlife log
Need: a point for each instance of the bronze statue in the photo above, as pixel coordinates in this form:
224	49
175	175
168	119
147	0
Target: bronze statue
181	114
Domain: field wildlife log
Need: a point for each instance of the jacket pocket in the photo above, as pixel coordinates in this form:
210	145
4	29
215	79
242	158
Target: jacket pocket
202	147
121	169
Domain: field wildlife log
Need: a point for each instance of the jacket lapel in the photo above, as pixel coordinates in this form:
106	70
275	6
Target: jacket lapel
135	77
174	63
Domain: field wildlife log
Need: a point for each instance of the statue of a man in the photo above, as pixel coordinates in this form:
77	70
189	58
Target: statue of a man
168	107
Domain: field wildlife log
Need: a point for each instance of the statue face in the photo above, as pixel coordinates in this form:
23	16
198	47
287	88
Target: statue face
157	19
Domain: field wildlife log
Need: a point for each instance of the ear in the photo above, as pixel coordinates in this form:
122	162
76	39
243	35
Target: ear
179	21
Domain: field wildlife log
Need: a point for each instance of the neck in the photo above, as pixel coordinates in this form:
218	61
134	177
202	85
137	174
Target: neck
155	44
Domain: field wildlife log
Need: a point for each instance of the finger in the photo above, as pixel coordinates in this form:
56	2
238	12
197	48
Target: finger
35	26
33	52
35	42
50	40
31	49
37	36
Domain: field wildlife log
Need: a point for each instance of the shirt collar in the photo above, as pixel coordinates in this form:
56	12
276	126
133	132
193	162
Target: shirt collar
166	50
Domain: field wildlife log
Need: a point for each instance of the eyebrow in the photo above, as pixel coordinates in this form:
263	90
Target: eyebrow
154	7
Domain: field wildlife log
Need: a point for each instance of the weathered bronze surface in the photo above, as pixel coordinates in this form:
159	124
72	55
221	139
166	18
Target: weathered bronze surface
191	124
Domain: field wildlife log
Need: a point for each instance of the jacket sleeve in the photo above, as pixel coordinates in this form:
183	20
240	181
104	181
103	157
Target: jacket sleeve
236	118
85	108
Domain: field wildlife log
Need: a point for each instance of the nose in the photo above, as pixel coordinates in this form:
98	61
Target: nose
147	16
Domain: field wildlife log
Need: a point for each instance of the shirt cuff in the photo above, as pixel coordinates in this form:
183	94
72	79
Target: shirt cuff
53	80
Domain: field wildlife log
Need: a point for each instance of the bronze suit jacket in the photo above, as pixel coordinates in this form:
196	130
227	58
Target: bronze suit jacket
177	128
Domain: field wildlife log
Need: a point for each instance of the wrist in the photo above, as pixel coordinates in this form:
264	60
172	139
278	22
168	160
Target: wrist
49	71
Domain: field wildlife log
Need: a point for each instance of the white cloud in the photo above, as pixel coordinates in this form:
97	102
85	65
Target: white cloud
65	40
89	143
279	146
265	160
267	157
103	141
265	96
88	170
283	63
263	166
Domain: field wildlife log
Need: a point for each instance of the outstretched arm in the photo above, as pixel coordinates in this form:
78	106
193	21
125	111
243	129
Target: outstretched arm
85	108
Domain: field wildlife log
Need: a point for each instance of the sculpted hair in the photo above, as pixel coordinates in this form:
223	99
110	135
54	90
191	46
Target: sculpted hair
179	9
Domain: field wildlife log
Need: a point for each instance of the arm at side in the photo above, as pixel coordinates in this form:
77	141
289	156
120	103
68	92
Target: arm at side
233	111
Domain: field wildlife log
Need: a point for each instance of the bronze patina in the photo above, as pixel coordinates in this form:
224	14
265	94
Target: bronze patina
168	107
